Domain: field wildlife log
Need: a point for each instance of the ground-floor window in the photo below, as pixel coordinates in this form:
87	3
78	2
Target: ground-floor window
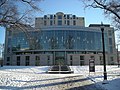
82	60
71	60
18	60
48	60
112	60
82	63
27	60
37	60
8	61
101	60
71	63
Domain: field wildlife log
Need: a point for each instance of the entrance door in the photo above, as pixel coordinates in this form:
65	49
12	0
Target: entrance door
59	58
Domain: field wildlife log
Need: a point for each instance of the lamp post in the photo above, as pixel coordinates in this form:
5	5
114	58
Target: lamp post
103	45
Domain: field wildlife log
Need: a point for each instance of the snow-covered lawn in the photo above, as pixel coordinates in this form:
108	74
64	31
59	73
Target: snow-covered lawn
35	78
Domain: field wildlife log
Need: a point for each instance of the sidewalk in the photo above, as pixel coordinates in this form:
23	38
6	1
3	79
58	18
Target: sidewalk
76	82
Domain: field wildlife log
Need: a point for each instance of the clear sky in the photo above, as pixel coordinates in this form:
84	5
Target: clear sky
75	7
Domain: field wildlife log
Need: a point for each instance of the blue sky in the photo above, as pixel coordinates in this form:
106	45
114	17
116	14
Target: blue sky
76	7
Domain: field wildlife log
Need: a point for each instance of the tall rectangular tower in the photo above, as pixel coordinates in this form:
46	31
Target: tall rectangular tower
59	19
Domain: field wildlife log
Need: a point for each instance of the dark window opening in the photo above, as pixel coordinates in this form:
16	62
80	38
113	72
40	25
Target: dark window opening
74	16
82	63
8	63
71	63
51	22
27	60
51	16
45	16
45	23
8	59
110	41
68	16
71	58
18	60
92	57
68	22
37	60
60	22
59	16
81	57
74	22
48	60
82	60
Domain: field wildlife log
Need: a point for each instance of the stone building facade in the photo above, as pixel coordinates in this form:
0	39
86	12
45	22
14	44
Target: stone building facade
59	39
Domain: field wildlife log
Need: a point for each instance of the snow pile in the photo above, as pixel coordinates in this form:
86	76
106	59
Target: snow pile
33	77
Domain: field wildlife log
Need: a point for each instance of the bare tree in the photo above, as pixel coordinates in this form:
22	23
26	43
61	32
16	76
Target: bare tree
19	15
111	9
16	12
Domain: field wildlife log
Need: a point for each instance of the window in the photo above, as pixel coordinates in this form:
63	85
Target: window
110	32
111	60
37	60
92	57
74	22
51	22
45	23
59	16
18	60
68	22
81	60
74	16
9	33
45	16
82	63
71	60
8	50
8	63
59	22
81	57
8	59
65	22
68	16
51	16
54	16
27	58
48	59
111	49
110	41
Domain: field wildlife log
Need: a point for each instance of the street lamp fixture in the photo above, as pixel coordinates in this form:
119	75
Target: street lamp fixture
103	45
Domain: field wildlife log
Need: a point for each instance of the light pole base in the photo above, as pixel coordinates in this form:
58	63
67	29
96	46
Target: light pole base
105	82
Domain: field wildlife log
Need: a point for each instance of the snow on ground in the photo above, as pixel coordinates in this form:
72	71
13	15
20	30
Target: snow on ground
113	76
35	78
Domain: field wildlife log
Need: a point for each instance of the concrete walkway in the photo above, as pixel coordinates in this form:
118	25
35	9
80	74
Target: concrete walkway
77	82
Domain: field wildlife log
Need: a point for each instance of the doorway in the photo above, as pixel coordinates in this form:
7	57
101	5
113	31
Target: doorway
59	58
